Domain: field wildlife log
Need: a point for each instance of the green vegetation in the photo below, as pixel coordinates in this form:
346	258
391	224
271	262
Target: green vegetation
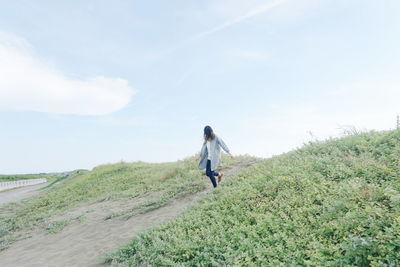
51	177
15	177
156	183
333	203
55	227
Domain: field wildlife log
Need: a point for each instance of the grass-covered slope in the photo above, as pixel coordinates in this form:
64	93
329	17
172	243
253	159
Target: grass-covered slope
334	203
157	184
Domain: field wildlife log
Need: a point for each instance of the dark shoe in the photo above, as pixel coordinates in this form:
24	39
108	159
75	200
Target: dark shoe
220	177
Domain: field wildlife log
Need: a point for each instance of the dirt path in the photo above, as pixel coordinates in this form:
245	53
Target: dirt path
17	194
84	243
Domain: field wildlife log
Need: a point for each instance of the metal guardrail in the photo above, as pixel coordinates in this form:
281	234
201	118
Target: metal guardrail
21	183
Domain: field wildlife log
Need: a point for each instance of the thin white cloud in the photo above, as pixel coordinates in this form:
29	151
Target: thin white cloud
257	11
230	22
28	83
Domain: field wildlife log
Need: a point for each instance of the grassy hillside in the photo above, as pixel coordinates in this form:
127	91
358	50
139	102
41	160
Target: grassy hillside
334	203
157	183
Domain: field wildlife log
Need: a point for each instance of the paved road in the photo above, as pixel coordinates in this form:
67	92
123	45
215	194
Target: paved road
20	193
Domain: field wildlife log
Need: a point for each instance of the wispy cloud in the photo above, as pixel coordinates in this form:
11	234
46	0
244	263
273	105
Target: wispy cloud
28	83
238	19
183	77
257	11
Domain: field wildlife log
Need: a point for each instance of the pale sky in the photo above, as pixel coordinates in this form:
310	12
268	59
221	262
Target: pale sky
84	83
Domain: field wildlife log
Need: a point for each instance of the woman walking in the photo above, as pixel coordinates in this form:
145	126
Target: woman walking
210	155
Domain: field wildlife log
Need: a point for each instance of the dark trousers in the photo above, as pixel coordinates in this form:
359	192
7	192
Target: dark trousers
210	173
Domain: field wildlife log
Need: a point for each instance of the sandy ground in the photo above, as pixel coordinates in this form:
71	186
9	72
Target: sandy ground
85	242
17	194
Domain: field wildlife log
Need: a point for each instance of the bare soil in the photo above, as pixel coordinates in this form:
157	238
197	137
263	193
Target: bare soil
17	194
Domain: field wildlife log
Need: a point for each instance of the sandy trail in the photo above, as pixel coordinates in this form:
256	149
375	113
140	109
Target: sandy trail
85	243
17	194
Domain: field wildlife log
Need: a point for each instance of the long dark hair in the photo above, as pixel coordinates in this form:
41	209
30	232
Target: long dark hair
208	133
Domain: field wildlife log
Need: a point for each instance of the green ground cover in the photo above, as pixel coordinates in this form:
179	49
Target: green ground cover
332	203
